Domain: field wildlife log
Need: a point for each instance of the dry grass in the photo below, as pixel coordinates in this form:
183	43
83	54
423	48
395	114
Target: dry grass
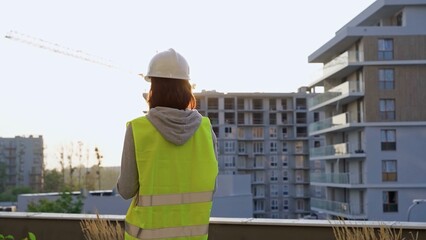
344	232
101	229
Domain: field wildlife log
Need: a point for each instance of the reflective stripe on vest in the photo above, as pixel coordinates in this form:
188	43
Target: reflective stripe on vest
186	231
173	199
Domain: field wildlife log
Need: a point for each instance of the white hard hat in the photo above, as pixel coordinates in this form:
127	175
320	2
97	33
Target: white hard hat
168	64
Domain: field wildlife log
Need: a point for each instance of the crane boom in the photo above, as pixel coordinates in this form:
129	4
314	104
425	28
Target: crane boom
54	47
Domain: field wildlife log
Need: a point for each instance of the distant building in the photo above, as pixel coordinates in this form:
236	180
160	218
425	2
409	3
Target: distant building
374	100
264	135
21	162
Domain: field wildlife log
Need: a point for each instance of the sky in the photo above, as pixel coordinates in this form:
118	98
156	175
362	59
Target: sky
231	46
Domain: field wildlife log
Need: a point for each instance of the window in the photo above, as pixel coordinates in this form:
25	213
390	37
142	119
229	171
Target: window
258	177
390	201
240	117
228	132
212	103
273	190
284	147
272	118
285	204
389	171
273	161
229	161
274	204
258	191
229	103
275	215
214	117
272	132
387	109
298	147
385	49
300	205
284	160
257	118
273	176
284	132
241	133
388	138
259	205
284	104
284	118
258	147
272	104
257	132
257	104
285	190
229	118
386	78
273	147
259	162
240	104
299	176
285	176
229	147
241	147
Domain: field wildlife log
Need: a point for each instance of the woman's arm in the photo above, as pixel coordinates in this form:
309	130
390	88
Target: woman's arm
128	183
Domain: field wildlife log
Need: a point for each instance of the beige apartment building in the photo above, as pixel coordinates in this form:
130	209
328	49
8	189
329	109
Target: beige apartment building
21	162
264	135
374	123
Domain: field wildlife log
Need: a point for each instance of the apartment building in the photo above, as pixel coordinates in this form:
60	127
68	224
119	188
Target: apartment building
21	162
264	135
374	123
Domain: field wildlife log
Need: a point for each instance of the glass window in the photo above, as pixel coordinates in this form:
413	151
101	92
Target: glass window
274	190
285	176
387	109
229	147
388	139
390	201
274	204
273	176
241	147
272	118
257	132
285	190
272	132
229	161
273	161
385	49
273	147
258	147
386	78
389	171
284	159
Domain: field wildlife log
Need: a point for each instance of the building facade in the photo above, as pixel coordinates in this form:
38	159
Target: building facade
264	135
374	122
21	162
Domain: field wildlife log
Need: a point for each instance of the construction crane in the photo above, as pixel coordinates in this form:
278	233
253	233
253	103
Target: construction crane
54	47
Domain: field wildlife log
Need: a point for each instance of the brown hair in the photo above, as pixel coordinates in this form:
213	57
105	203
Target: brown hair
172	93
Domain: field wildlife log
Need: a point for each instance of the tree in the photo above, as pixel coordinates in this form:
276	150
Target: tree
64	204
11	194
53	181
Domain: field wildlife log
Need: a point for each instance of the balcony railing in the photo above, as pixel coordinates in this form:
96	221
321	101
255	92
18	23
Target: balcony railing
337	120
337	208
346	88
337	150
338	178
67	227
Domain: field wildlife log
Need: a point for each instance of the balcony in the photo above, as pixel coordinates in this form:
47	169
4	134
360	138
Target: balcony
338	122
341	150
335	178
342	94
49	226
341	209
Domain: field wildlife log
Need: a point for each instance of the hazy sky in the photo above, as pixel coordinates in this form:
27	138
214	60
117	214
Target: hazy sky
231	46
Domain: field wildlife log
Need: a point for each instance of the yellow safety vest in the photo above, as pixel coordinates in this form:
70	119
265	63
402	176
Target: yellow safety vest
176	184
